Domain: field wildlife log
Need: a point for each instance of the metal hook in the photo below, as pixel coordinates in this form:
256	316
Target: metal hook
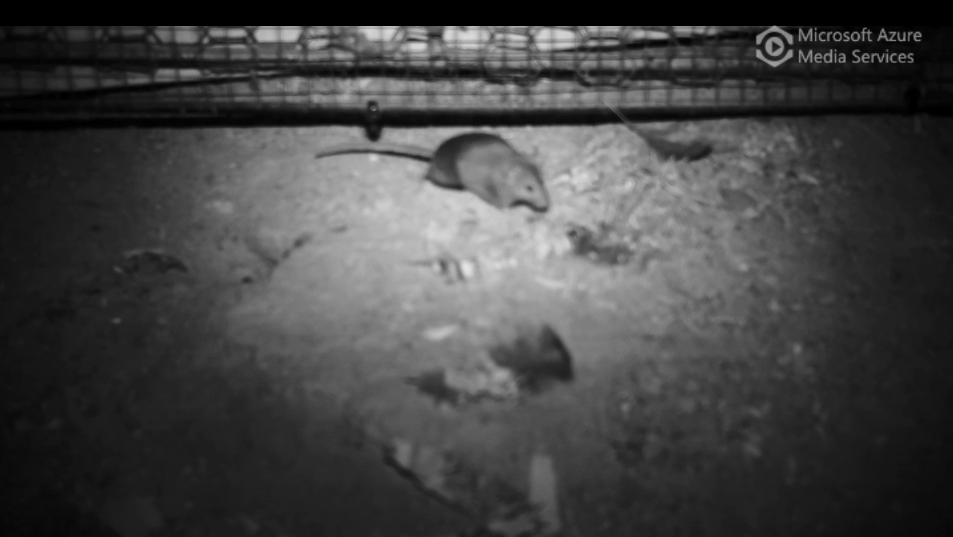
373	124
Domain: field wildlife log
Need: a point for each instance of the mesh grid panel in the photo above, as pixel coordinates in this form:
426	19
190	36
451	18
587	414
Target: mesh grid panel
179	71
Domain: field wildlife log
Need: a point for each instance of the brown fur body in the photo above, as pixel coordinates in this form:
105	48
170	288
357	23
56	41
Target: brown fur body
479	162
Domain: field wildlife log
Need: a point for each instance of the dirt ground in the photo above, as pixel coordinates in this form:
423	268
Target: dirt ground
771	356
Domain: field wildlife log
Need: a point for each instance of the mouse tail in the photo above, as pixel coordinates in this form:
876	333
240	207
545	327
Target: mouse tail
382	148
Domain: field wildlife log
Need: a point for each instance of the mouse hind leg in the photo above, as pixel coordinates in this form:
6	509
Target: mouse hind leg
442	177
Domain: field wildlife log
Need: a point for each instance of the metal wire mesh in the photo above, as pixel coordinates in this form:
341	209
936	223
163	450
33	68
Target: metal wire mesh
100	71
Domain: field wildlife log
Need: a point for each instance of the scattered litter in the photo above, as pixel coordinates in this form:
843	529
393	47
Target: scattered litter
579	179
148	260
597	246
552	245
425	466
274	246
434	384
455	387
537	357
808	178
440	333
533	361
493	262
131	517
436	474
452	270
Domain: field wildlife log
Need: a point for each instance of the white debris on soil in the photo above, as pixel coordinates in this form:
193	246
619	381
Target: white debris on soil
551	243
430	469
495	382
425	463
457	385
440	333
578	178
453	270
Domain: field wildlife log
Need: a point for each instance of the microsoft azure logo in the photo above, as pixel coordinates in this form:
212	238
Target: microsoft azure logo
774	46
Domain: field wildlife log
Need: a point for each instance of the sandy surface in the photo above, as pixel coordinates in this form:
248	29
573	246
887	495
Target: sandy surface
773	360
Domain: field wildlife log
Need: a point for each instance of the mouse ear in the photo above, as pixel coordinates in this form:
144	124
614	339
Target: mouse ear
534	154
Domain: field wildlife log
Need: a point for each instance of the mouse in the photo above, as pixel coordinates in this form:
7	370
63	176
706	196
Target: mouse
479	162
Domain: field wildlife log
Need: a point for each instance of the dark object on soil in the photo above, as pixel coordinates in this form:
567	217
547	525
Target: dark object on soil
594	245
454	387
452	270
274	246
271	247
537	357
482	163
533	361
151	261
434	384
674	150
664	148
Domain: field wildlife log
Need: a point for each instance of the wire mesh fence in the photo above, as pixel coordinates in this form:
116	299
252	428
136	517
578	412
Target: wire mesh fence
58	72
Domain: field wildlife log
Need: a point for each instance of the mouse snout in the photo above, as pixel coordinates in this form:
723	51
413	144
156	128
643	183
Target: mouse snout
536	196
526	188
